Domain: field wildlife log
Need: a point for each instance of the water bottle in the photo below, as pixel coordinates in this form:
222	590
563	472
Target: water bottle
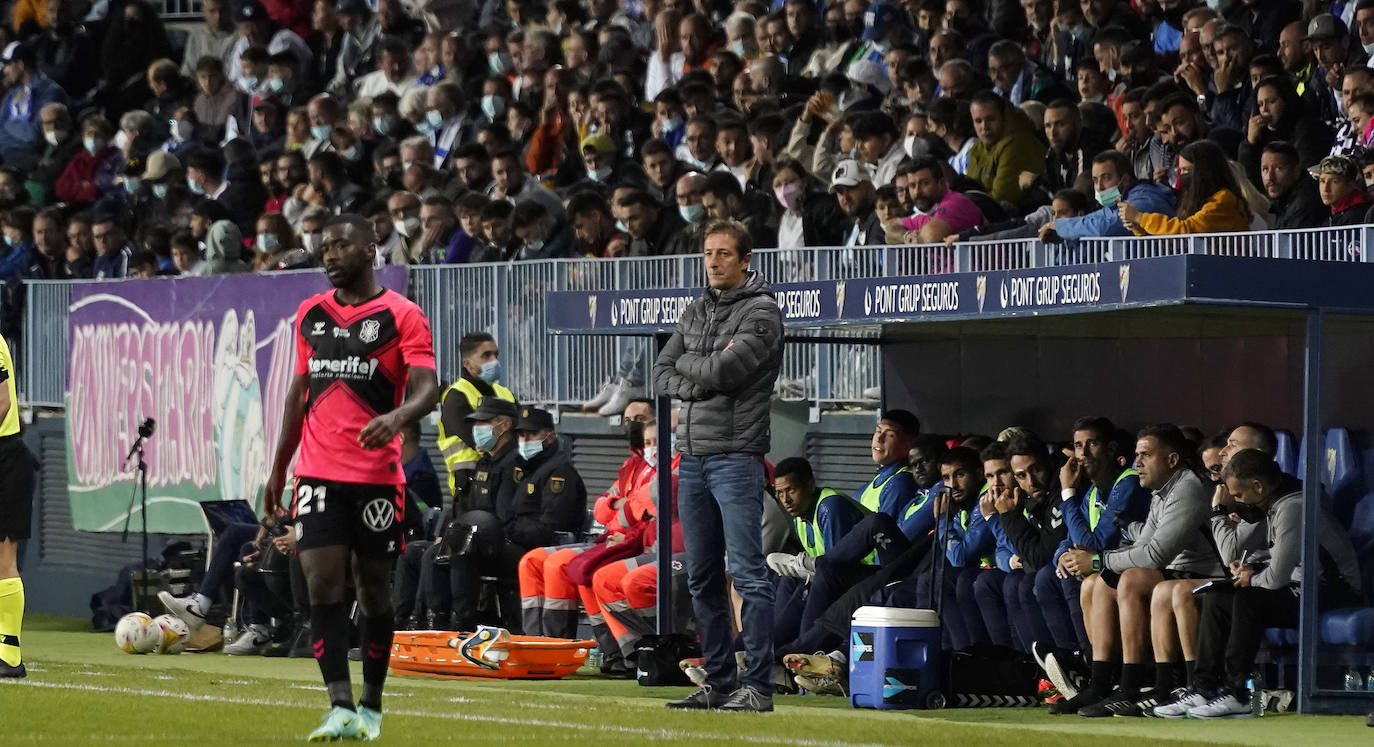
1256	686
1369	681
594	658
1353	679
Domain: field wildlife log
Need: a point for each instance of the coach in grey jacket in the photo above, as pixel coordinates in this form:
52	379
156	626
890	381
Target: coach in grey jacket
722	363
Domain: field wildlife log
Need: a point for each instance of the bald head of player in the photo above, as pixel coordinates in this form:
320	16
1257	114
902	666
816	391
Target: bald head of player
349	245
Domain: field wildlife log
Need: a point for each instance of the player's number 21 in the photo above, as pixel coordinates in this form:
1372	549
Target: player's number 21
310	498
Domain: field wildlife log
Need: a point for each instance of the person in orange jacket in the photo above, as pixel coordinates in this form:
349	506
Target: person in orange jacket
548	598
626	592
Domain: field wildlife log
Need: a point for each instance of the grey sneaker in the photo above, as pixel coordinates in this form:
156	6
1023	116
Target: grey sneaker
748	700
705	698
250	642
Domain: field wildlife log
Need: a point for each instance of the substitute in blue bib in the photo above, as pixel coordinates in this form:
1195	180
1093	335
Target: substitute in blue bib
821	516
894	487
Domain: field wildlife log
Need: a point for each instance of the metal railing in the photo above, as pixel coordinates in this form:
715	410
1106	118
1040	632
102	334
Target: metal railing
43	360
508	301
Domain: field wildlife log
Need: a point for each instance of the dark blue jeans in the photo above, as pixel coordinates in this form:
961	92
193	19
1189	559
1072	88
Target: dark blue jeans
720	505
1058	602
228	549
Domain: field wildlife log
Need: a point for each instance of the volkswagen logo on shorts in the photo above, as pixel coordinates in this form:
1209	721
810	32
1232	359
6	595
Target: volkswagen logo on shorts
378	514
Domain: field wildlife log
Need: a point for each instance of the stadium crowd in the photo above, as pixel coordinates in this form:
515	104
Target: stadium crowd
519	130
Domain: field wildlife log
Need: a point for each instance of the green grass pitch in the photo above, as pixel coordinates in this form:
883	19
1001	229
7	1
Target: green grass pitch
82	690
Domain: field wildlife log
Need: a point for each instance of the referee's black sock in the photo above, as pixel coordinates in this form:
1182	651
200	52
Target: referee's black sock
329	628
375	640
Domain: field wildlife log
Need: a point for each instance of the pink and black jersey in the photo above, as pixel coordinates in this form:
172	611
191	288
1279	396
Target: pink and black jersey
357	358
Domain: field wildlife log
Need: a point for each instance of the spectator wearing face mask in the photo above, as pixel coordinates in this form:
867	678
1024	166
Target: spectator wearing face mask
274	239
480	358
29	92
540	236
91	172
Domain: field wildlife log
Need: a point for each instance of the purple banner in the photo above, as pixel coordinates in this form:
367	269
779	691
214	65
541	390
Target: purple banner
210	359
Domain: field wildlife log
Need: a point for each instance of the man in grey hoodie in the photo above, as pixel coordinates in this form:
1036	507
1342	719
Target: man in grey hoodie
223	250
722	363
1173	543
1264	589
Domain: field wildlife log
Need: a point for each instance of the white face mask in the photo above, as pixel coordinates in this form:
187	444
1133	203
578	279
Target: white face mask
54	137
121	140
909	145
409	228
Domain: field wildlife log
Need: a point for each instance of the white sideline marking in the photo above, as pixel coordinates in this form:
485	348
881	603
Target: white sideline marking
570	725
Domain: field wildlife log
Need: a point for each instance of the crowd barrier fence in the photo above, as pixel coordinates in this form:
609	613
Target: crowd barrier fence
508	301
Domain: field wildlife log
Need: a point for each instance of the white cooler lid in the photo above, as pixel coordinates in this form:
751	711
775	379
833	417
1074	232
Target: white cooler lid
895	617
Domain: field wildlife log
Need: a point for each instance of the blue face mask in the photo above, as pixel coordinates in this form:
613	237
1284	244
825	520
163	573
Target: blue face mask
268	242
131	184
530	449
275	85
493	106
1109	197
9	240
599	175
160	191
491	372
434	118
93	144
319	132
196	189
483	436
691	213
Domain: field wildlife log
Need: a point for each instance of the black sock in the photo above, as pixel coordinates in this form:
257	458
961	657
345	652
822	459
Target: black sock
1190	667
1131	676
329	638
375	640
1164	677
1100	682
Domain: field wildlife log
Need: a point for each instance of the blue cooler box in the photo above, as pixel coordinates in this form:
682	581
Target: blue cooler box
894	658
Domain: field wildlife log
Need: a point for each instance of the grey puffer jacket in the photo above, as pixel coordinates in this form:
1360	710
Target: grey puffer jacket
722	363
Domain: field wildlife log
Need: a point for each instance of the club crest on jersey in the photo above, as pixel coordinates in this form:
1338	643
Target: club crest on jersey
556	484
317	330
370	330
379	514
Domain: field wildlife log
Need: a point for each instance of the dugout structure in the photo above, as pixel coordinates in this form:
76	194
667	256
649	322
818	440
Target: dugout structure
1189	338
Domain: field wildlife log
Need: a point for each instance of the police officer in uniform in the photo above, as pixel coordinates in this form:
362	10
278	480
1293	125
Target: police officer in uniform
474	523
481	359
546	495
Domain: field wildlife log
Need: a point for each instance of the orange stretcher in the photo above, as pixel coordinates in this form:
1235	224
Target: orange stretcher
491	653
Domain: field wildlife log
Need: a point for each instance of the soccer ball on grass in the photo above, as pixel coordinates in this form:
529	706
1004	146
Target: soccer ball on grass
136	633
173	635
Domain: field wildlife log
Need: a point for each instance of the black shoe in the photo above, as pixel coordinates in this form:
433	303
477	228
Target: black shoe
301	647
702	700
749	700
1072	705
355	654
1147	702
618	669
277	650
1120	701
16	671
